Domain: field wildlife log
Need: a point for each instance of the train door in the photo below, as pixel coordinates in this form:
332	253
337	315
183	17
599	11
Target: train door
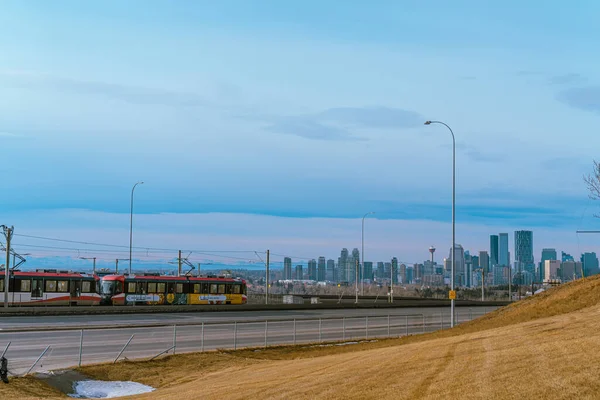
75	291
37	289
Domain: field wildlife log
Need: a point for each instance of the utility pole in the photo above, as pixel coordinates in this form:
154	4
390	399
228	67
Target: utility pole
117	264
392	282
356	283
179	264
509	284
482	285
8	232
94	265
267	280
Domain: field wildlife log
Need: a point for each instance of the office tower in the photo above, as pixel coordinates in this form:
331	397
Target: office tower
590	264
484	261
299	273
493	251
321	269
459	263
312	270
352	265
368	271
570	270
524	251
342	266
380	270
551	268
503	256
566	257
331	273
403	273
287	268
410	275
464	277
386	271
547	254
395	270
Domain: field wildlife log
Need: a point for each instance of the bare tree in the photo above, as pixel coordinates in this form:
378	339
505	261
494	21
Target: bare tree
593	183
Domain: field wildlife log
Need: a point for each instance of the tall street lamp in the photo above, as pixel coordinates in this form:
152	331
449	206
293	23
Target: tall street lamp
131	224
362	268
452	255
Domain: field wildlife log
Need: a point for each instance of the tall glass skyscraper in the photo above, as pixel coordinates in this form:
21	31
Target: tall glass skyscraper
287	268
493	251
321	268
590	264
524	251
503	256
547	254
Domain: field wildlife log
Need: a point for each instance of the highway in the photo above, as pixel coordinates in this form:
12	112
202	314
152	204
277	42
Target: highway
155	333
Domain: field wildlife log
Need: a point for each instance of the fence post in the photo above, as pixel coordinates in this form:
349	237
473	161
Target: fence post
294	331
266	332
470	314
423	315
202	346
235	335
367	327
123	349
406	323
36	361
320	338
388	325
80	347
343	328
441	320
174	338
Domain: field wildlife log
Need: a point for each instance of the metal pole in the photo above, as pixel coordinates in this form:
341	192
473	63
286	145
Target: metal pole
320	337
406	323
482	285
36	361
367	327
392	282
362	280
452	257
8	232
294	331
267	281
441	320
388	325
80	347
509	284
423	315
235	335
356	283
123	349
5	350
174	338
131	225
266	331
343	328
202	346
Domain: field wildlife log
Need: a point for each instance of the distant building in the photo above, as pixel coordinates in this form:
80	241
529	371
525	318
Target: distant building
287	268
342	266
501	275
312	270
503	254
524	252
484	260
551	269
570	270
380	270
403	273
331	271
321	269
566	257
590	264
547	254
395	270
299	273
493	251
368	271
410	275
459	264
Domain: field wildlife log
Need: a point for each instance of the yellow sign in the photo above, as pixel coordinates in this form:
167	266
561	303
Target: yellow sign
452	295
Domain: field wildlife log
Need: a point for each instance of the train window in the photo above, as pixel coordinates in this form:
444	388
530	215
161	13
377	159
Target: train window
62	286
213	288
171	287
237	289
196	288
160	287
228	289
151	287
2	285
204	288
50	286
131	287
179	288
86	287
141	288
222	289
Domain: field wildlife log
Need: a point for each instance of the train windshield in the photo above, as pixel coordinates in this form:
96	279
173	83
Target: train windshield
111	287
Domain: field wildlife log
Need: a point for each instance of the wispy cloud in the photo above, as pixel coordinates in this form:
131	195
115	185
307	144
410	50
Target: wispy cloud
567	79
127	93
475	154
585	98
338	123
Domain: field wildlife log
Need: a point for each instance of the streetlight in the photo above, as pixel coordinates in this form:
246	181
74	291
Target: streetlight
131	224
362	268
452	258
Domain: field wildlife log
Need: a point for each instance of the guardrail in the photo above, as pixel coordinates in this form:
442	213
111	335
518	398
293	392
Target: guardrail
68	348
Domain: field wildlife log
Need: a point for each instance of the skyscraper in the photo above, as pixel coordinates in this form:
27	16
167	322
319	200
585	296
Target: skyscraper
380	270
331	272
312	270
395	270
459	263
321	269
590	264
503	256
524	251
342	267
493	251
368	271
287	268
403	273
299	273
484	261
351	265
566	257
547	254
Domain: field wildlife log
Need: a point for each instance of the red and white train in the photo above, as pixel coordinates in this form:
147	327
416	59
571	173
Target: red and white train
50	287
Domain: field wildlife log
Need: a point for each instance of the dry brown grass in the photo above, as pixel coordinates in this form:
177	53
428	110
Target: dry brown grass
542	347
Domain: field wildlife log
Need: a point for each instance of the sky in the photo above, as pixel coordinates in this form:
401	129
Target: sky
277	125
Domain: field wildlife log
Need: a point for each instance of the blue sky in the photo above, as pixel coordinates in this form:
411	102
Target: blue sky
298	110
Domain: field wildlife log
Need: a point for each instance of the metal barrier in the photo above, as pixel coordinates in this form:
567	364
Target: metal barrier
76	347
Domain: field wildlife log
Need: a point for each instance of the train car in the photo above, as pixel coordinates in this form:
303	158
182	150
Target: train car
50	287
155	289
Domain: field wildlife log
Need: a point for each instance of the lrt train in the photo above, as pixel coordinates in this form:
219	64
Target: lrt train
50	287
155	289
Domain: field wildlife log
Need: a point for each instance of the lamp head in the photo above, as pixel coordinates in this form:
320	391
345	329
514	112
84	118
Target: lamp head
427	122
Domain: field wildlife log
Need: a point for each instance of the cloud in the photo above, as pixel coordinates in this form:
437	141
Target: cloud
525	72
310	129
474	154
567	79
131	94
585	98
337	123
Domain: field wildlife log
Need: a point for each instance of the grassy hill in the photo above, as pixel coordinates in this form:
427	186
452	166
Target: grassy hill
545	346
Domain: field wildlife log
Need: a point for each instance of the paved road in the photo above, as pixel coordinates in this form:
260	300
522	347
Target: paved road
131	320
229	330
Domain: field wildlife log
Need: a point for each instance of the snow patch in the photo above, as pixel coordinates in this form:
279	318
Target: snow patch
107	389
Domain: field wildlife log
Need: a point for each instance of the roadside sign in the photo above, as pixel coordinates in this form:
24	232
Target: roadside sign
452	295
